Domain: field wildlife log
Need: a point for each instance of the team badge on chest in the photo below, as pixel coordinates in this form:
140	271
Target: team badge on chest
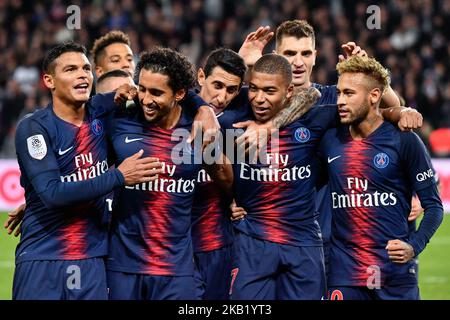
381	160
302	134
97	127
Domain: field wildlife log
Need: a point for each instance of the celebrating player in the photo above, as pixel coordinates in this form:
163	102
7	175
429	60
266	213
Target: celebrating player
151	255
374	169
62	154
113	51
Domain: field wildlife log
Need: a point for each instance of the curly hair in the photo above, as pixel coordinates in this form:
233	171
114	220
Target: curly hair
295	28
114	36
170	63
368	66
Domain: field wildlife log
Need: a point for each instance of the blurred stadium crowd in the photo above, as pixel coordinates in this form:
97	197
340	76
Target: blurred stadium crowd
413	42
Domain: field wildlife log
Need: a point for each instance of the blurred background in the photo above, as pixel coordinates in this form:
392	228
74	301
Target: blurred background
412	41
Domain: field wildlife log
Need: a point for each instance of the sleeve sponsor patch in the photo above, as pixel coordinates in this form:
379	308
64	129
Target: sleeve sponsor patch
37	148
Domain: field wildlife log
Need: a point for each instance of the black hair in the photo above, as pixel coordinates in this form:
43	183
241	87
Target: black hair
272	63
48	65
228	60
117	73
170	63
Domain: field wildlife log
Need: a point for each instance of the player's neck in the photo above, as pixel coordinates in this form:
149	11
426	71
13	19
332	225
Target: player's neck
171	119
69	112
305	85
364	128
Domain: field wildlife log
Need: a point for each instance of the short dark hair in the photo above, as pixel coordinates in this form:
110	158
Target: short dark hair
228	60
48	65
272	63
118	73
114	36
295	28
170	63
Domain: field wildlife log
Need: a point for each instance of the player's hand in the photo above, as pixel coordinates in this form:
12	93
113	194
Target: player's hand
138	170
416	209
237	213
399	251
351	49
205	121
253	46
15	217
410	119
124	93
255	136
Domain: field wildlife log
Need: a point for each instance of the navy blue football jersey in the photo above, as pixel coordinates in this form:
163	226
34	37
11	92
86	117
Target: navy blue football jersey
371	183
151	222
278	194
66	177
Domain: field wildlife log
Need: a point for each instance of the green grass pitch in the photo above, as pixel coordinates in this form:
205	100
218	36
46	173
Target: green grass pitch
434	265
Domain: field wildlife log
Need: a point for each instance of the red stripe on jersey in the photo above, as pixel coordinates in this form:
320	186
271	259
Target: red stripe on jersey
209	229
157	212
360	218
274	193
73	236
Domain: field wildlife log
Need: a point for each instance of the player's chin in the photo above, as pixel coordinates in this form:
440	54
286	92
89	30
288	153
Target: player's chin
298	81
81	98
150	118
346	120
262	119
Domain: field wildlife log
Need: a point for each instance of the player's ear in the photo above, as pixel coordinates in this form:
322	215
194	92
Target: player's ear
201	77
290	91
48	81
375	95
179	95
98	71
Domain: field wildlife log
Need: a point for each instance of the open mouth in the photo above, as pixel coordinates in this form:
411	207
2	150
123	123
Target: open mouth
82	87
298	73
261	111
217	109
343	113
151	110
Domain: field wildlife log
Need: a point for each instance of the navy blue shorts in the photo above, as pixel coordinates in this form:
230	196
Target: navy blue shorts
264	270
212	274
134	286
364	293
60	280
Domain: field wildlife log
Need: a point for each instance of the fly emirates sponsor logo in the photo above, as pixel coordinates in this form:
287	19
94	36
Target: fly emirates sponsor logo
86	169
168	184
359	197
277	170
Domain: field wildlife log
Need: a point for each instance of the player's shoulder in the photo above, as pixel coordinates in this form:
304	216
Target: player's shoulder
409	137
328	93
394	131
186	118
39	117
318	112
101	104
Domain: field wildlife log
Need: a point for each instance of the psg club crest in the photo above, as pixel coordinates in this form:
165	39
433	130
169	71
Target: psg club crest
381	160
302	134
97	127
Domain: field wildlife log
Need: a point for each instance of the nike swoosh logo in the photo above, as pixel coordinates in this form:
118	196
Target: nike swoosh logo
332	159
132	140
63	152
